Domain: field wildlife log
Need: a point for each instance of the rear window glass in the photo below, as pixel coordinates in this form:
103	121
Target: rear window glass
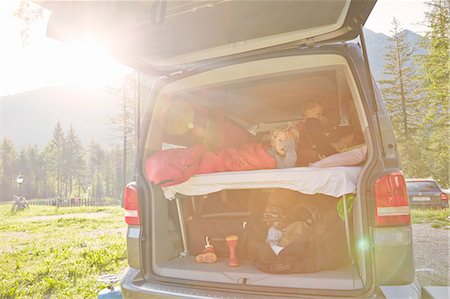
422	186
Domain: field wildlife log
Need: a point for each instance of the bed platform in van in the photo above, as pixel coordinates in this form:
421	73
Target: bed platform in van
333	181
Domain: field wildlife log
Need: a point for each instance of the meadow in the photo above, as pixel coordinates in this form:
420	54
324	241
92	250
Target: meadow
49	252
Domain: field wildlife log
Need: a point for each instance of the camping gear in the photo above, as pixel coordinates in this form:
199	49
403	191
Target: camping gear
208	254
232	243
216	216
316	239
173	166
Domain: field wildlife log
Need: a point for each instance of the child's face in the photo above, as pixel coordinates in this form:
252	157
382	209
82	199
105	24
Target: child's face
279	143
314	112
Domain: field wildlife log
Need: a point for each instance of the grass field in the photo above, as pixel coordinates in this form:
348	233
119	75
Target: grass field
438	218
46	253
49	252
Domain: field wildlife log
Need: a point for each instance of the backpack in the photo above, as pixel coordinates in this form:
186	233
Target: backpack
322	246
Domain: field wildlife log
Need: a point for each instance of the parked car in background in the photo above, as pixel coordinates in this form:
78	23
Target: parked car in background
426	193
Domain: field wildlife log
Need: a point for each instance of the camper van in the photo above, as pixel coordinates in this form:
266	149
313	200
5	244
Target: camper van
212	212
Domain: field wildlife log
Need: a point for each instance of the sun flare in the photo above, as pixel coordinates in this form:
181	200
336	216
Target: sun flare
91	63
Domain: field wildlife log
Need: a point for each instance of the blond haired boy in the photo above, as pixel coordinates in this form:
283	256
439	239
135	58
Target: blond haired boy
283	142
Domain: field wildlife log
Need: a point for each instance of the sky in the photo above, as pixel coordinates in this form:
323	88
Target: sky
46	62
410	13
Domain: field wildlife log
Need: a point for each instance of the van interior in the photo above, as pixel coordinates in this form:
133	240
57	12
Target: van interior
257	96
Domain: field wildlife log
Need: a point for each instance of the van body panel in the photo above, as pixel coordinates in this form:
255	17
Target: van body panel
393	255
133	247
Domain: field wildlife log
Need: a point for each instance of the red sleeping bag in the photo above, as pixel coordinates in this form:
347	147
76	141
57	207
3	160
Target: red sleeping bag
250	156
173	166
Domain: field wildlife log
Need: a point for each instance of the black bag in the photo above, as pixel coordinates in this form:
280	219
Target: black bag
217	229
217	216
322	246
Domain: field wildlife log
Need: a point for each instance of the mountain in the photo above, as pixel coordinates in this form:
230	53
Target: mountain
29	117
376	48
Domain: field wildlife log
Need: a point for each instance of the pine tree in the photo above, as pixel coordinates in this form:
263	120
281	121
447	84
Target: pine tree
126	123
96	163
435	73
74	165
33	174
23	168
109	174
9	170
56	156
47	183
399	94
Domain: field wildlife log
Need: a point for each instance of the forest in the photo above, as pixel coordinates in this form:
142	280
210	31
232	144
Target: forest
416	94
64	169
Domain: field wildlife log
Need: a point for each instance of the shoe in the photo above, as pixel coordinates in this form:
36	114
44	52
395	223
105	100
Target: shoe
208	254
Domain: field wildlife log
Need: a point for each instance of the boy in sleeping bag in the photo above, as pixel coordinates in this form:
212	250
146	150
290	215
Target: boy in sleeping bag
252	156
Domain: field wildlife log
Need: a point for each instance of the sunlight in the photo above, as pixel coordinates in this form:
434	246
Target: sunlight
90	63
43	62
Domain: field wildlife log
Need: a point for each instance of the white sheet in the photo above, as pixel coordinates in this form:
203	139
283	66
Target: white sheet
333	181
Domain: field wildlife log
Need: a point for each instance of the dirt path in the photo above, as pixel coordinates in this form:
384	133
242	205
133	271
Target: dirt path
432	255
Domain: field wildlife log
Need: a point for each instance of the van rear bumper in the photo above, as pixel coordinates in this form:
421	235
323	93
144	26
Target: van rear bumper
411	291
134	286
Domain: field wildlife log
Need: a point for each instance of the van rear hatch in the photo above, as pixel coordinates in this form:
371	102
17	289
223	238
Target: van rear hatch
159	35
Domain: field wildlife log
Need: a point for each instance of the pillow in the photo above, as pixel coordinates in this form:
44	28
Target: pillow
349	158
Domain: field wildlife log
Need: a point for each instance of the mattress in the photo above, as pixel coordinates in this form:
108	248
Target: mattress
333	181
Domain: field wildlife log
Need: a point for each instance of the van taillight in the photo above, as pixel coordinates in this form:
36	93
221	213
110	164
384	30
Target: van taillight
392	204
444	196
131	204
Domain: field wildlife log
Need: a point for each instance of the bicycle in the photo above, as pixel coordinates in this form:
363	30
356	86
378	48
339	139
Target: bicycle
19	203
